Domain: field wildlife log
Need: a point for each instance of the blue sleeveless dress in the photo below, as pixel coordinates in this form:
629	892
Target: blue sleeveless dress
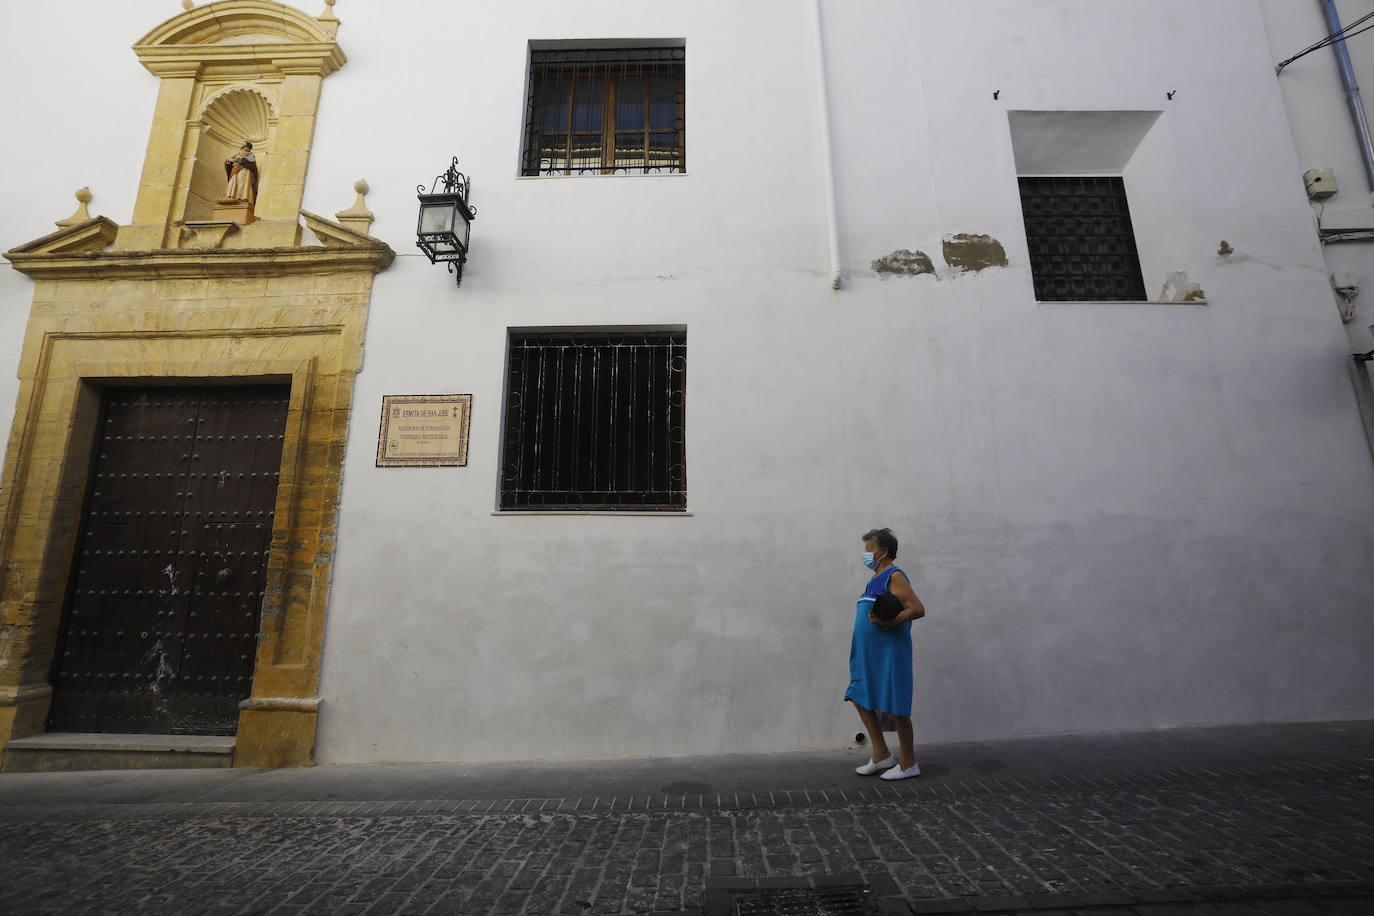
879	657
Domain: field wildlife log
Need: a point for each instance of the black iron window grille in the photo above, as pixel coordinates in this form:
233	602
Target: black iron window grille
606	111
1082	245
595	421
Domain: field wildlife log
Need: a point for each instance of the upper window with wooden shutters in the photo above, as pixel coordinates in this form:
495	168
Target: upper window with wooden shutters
605	111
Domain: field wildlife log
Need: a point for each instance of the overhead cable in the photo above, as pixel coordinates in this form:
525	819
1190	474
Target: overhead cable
1328	41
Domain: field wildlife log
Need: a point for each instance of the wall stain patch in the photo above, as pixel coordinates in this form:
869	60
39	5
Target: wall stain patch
1177	288
904	263
967	252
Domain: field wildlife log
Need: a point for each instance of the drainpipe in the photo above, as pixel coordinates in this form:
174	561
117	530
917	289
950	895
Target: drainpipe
1352	93
1364	393
827	160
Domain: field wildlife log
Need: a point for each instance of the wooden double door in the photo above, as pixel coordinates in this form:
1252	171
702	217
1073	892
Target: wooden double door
160	627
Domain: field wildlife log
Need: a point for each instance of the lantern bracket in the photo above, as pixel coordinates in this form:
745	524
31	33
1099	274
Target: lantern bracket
442	232
455	182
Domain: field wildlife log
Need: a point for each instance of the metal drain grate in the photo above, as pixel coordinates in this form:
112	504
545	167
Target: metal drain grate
796	901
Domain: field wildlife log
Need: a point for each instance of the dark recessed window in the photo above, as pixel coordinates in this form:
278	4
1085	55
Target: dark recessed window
595	421
1082	246
605	111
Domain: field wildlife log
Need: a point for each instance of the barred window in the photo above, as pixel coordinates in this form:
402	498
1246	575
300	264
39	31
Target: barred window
595	420
1082	245
605	111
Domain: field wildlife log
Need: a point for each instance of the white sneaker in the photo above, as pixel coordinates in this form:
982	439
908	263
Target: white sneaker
899	773
868	769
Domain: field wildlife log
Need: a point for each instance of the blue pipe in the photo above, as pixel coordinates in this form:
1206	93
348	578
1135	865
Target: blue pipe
1352	92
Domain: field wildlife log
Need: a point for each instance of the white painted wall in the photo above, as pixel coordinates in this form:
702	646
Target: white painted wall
76	114
1320	120
1119	516
1324	132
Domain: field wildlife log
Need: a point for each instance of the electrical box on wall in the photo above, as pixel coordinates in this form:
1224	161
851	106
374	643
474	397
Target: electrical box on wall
1320	183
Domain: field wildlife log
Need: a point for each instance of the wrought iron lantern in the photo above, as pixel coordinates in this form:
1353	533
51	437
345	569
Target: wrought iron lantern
446	220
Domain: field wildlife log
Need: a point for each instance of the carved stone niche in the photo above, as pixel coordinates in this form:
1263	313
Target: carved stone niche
231	71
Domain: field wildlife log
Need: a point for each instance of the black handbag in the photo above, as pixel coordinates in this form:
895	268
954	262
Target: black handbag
886	606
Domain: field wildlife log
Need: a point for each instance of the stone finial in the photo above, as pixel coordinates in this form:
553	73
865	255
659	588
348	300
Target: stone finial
328	19
82	215
188	4
357	217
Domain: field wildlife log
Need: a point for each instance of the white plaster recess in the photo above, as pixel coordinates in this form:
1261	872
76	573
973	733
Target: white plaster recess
1132	145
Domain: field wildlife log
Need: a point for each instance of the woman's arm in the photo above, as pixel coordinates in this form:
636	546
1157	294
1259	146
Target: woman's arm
912	608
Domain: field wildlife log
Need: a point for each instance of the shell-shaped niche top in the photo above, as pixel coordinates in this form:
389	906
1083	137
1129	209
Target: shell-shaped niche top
236	115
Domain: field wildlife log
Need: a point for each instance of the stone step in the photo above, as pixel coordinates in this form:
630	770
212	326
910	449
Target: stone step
61	752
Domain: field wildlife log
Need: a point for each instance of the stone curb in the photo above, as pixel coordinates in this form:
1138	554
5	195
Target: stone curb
869	794
1142	901
1145	900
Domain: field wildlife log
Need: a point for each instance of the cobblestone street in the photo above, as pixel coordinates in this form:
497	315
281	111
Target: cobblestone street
1268	837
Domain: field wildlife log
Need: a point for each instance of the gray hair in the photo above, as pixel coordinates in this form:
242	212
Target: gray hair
885	539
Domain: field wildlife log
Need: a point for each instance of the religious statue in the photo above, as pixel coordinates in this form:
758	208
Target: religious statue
242	172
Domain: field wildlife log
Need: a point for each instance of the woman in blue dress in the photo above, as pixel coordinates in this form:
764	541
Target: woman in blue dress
880	659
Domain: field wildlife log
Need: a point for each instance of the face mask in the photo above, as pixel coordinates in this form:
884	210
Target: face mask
870	561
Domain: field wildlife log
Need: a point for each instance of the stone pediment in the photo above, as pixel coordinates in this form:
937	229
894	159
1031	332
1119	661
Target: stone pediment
335	235
92	235
82	252
229	33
